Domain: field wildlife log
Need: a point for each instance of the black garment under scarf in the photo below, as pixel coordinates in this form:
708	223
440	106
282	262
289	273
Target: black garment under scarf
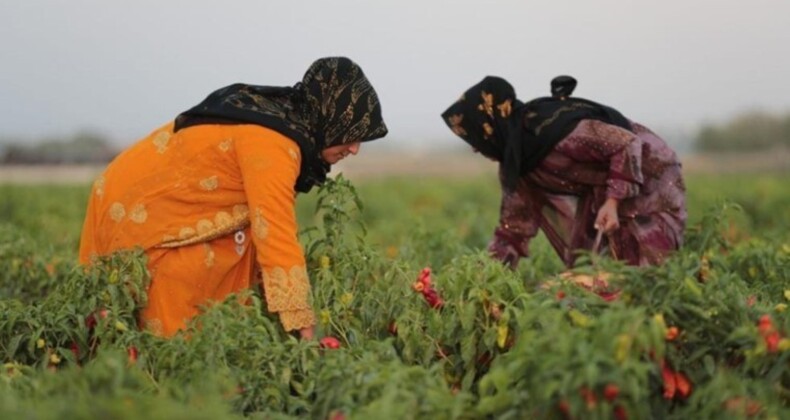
544	123
334	104
521	138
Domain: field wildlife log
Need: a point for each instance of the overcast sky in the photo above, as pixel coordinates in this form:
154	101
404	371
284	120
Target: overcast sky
124	67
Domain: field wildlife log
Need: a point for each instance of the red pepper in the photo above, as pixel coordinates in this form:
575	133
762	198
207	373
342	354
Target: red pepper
772	341
741	405
765	326
669	381
609	296
610	392
337	415
425	276
132	353
90	321
438	304
75	349
683	384
769	333
589	397
620	413
393	328
565	408
672	333
432	298
329	343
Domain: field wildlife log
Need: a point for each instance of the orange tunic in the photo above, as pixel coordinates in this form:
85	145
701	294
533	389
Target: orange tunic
205	204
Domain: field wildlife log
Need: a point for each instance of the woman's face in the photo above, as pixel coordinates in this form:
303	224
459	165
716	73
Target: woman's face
334	154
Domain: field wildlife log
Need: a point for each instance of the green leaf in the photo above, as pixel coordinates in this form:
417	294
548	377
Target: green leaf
710	366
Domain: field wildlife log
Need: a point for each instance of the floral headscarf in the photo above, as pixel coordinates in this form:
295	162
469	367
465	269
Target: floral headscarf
334	104
520	135
481	117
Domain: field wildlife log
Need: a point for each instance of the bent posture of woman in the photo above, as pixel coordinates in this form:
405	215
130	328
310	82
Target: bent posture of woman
210	196
577	170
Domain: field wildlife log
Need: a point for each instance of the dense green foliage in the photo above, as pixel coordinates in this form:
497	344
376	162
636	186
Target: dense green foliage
748	132
502	344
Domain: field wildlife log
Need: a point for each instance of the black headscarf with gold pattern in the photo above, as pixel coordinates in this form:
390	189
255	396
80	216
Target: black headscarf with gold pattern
334	104
482	116
519	135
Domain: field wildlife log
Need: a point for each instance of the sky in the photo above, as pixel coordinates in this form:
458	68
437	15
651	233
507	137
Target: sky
122	68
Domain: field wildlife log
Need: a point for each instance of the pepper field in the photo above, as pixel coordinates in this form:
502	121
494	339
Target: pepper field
706	335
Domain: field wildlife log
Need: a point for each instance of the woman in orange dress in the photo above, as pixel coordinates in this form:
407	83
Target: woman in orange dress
210	196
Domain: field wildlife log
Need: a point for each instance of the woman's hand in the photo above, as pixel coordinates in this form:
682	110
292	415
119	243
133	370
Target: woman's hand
607	220
504	252
306	333
507	255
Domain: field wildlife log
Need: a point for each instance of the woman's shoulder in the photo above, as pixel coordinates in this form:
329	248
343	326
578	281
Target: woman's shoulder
273	138
234	130
255	142
638	127
600	129
248	136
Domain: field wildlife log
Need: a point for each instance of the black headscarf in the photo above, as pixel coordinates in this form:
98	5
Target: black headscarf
490	118
482	116
334	104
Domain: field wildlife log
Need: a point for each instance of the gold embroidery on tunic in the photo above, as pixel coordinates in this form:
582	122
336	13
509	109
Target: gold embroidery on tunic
298	273
225	224
223	218
278	274
117	212
204	226
259	225
210	184
294	320
241	210
160	141
186	233
138	214
209	255
154	326
98	186
286	291
224	145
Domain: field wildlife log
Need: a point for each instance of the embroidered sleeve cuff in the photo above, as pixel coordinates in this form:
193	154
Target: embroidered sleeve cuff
286	290
296	320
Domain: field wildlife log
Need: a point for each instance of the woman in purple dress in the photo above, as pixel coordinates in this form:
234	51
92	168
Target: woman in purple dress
581	172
